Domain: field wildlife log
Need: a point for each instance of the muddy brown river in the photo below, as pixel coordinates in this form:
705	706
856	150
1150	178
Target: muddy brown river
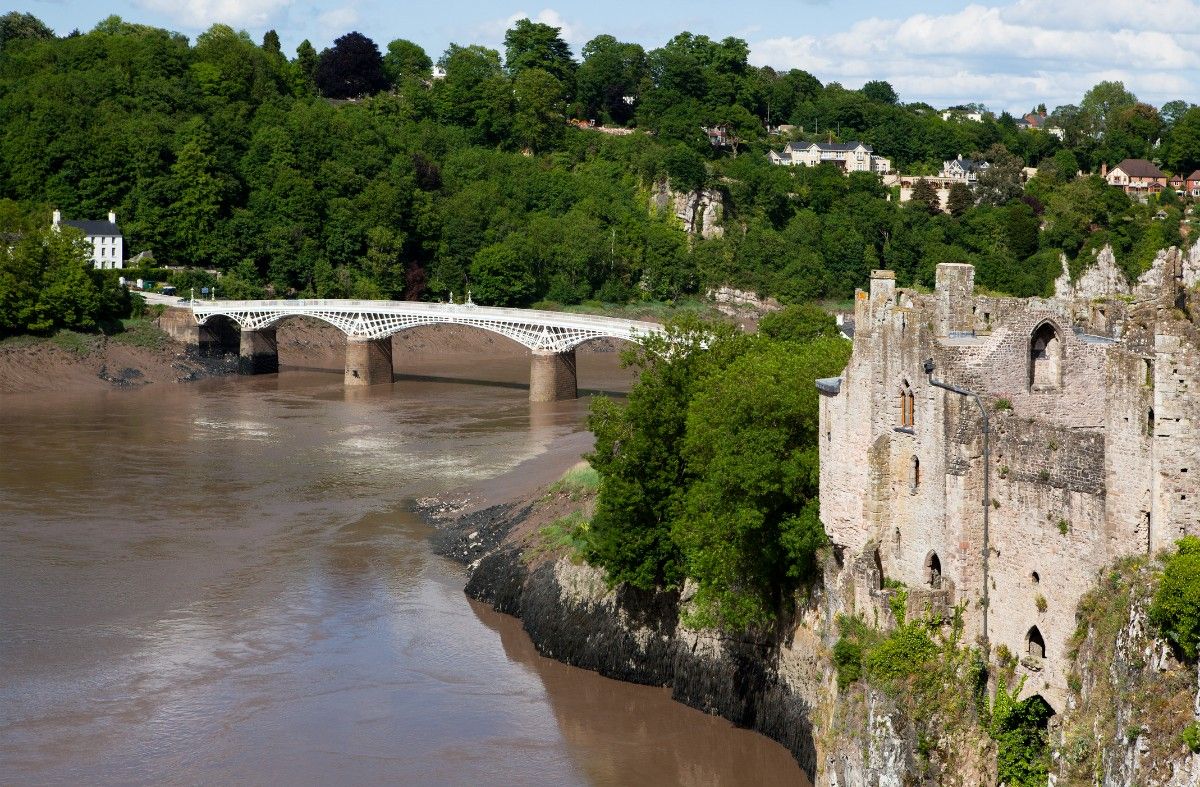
222	583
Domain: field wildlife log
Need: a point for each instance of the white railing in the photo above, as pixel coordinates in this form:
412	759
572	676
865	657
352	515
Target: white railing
537	330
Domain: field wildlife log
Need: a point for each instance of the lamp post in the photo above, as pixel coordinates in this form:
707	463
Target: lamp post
987	546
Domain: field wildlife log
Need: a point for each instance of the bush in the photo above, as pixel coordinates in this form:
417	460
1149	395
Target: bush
1191	737
847	659
903	653
1175	610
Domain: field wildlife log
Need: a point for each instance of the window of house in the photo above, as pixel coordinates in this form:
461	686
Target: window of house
1045	358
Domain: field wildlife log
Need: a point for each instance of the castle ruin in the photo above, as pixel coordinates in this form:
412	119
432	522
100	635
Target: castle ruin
1093	447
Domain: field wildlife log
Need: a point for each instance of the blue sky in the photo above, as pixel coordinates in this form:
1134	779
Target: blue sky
1007	54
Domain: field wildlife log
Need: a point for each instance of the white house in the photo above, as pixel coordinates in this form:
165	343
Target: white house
108	244
963	169
849	156
960	114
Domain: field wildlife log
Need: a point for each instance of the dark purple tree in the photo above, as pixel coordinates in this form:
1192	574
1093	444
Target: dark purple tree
353	67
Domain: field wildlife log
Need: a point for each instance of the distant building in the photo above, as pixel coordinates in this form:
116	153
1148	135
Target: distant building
1193	184
1037	121
966	170
1136	177
962	113
1177	184
849	156
108	244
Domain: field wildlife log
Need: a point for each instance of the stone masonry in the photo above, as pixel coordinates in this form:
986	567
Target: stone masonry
1095	452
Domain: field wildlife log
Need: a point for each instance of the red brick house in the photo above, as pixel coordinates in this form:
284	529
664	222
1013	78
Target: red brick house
1192	184
1136	177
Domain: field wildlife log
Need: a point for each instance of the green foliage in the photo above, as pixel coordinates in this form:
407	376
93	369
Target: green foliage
847	660
1191	737
638	452
798	323
1019	729
749	526
582	480
1176	607
903	653
570	533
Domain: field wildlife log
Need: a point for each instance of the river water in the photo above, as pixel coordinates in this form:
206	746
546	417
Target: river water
222	583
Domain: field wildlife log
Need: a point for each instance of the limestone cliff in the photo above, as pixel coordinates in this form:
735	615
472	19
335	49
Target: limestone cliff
1132	697
700	212
1103	278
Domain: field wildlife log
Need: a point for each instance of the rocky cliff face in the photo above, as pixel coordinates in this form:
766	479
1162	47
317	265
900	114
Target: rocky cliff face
782	684
1133	697
1103	278
700	212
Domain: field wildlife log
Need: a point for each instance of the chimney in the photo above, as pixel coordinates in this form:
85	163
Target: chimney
1104	169
954	283
112	217
54	222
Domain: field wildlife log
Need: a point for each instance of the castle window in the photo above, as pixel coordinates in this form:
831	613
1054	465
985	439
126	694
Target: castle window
1150	422
1045	358
914	474
1034	576
907	402
1035	646
933	571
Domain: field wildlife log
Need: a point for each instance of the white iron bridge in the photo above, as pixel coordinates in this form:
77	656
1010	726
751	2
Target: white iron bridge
540	331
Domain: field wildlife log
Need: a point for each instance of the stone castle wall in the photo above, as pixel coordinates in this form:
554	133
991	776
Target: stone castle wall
1093	450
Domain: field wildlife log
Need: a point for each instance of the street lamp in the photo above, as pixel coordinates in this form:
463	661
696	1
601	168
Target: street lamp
987	546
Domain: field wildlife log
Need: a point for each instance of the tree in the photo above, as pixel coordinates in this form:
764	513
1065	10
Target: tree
925	195
535	45
501	275
1183	145
352	68
1001	181
16	26
749	527
270	43
801	322
1173	110
878	90
637	452
406	60
611	73
539	119
307	60
960	199
1103	102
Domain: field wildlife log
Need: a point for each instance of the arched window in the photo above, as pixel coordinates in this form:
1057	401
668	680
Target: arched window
914	474
933	571
906	405
1045	358
1034	644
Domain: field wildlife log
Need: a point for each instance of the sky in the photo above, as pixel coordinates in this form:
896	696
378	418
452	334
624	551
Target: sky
1007	54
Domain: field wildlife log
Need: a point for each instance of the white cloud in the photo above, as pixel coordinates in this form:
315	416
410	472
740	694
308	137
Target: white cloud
494	30
339	20
1011	56
202	14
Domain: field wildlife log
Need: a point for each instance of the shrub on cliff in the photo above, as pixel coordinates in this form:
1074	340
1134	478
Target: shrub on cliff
1176	607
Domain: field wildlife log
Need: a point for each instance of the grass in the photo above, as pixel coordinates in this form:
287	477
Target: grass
644	310
141	333
77	343
569	532
579	482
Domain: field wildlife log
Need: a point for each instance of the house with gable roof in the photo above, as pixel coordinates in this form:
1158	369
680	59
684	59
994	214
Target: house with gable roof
849	156
1192	184
1137	177
108	243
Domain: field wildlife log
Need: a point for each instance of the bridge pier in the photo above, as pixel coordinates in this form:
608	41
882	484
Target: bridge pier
258	352
552	376
368	361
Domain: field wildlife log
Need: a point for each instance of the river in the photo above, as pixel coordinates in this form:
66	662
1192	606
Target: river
222	582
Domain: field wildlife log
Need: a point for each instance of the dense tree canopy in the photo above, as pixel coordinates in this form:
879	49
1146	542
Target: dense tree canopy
227	155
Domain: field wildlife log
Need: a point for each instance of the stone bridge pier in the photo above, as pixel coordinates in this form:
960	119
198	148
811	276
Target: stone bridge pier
258	352
368	361
552	376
